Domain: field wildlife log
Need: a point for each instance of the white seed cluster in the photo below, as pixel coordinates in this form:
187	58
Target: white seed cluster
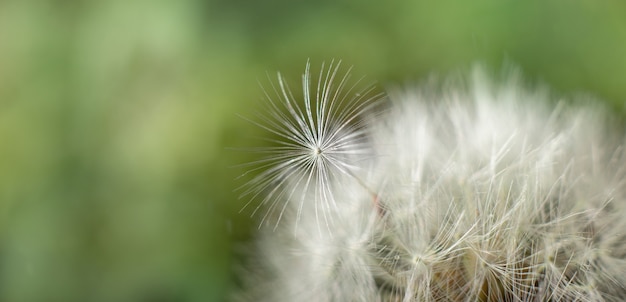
462	189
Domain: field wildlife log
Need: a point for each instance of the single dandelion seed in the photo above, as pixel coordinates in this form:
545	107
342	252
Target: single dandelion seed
319	141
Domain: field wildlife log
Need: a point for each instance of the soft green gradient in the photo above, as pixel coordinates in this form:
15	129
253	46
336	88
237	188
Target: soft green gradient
116	183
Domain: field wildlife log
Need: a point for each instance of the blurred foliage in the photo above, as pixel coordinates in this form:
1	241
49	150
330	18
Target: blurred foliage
116	183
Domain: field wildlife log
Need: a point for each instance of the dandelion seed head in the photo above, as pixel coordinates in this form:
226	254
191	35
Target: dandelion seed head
481	190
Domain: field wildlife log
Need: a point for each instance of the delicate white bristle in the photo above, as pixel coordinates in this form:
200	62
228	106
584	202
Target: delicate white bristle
466	189
320	142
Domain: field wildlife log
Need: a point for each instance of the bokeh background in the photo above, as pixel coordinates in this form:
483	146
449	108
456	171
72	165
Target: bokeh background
118	118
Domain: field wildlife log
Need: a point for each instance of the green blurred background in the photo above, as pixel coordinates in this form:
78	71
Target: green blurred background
116	180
